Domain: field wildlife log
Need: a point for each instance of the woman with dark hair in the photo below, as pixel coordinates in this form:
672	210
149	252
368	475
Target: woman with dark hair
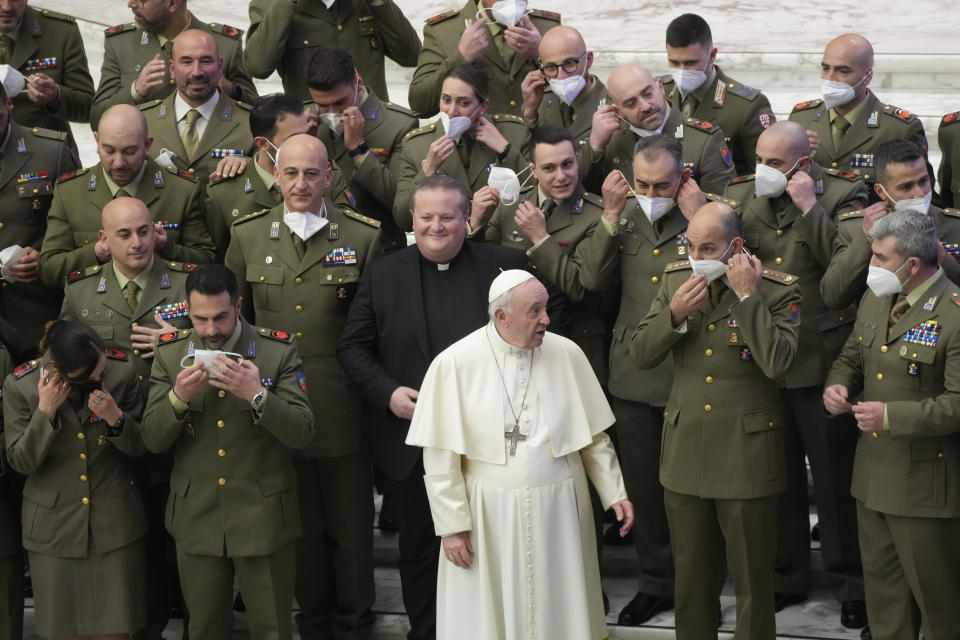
464	143
71	421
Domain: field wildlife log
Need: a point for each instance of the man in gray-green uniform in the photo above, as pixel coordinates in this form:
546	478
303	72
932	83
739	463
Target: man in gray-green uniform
788	210
903	182
232	425
285	35
11	549
46	47
137	56
948	175
506	47
640	109
731	326
699	89
562	92
198	124
298	265
849	122
72	241
362	134
901	362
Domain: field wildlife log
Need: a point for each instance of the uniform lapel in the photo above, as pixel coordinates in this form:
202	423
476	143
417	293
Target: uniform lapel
372	109
222	123
917	314
761	209
452	166
859	134
261	192
165	132
320	244
147	190
562	216
282	245
13	160
727	300
153	295
27	36
674	224
112	295
481	157
100	195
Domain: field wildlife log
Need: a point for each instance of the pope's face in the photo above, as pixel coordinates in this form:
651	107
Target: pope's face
526	324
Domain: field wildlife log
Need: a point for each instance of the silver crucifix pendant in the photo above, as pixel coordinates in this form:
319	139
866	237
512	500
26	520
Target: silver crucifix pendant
514	437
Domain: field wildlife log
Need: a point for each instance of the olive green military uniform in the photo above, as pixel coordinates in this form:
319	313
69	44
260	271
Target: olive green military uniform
722	453
845	279
948	176
81	501
48	42
11	551
285	35
172	197
233	504
705	153
440	53
875	124
908	503
472	175
126	49
742	112
373	176
32	160
777	233
577	118
308	297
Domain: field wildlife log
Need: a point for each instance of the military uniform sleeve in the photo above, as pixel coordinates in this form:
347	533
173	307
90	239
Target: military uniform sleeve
236	262
655	336
752	127
379	179
847	369
66	160
435	60
917	136
267	35
109	92
602	467
410	172
195	244
401	42
771	332
715	172
28	435
447	492
287	414
58	254
216	222
846	275
945	140
591	167
76	92
818	231
563	269
161	425
600	261
130	401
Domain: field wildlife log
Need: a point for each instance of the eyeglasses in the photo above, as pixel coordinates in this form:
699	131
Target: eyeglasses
569	65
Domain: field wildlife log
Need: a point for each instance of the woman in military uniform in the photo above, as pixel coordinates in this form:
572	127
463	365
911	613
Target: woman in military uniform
71	421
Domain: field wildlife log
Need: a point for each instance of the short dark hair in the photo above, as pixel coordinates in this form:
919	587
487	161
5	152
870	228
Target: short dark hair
73	346
652	146
689	29
439	182
212	280
330	68
895	152
473	75
549	135
269	109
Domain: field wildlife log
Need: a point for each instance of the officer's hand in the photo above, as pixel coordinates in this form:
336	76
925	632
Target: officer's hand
873	213
230	166
354	127
606	121
26	268
474	41
102	250
525	39
457	549
42	90
743	274
532	91
835	399
52	390
102	404
485	200
241	379
152	75
869	416
190	382
531	221
161	236
624	513
689	297
814	139
802	191
143	338
689	196
438	152
486	132
615	191
403	401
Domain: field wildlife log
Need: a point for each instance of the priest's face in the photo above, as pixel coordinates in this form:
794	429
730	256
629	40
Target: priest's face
526	323
439	224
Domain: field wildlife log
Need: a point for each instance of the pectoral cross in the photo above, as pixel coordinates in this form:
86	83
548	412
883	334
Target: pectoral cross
514	437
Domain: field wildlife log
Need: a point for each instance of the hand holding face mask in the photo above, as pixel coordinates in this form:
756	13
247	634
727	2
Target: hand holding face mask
508	13
507	182
455	127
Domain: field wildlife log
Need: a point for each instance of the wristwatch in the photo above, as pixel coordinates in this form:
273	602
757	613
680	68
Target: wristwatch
114	430
360	149
257	401
503	154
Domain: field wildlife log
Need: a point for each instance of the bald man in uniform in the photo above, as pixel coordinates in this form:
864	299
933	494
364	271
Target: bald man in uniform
640	109
849	122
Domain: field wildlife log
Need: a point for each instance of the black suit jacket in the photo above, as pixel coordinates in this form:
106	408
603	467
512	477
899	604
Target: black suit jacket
385	344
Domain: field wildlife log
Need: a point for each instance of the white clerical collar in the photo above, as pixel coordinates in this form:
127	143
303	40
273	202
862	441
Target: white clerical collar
181	107
443	266
500	344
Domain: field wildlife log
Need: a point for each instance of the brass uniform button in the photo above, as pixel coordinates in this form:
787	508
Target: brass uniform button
262	278
133	325
221	393
222	452
83	456
339	27
656	252
80	436
83	478
299	280
711	327
136	352
654	279
299	308
85	500
879	377
876	435
779	260
513	103
859	338
779	232
222	481
709	352
709	379
220	424
770	424
299	335
833	164
707	408
884	349
940	454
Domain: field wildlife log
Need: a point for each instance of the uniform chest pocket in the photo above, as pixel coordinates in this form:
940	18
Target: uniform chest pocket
32	189
916	361
865	333
630	244
83	238
339	287
266	283
367	26
751	239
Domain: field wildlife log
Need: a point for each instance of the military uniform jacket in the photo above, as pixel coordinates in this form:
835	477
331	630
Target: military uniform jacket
9	522
233	485
722	426
473	176
948	175
777	233
846	278
94	298
227	131
79	477
742	112
49	43
285	35
877	123
126	49
374	183
910	469
309	299
440	53
173	199
576	118
705	153
632	263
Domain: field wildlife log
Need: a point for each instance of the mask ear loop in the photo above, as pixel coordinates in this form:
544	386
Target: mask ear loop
527	169
629	188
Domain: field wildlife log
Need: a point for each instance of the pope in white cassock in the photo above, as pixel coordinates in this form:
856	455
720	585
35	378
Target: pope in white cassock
511	420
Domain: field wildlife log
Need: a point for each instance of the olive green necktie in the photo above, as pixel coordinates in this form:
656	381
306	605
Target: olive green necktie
716	293
300	246
840	126
896	312
121	193
6	49
548	208
130	294
189	136
167	49
688	105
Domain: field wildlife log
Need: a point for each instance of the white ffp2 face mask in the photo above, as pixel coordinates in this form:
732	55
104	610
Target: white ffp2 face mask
455	127
206	357
883	282
836	94
688	80
509	13
507	182
710	269
567	89
910	204
770	182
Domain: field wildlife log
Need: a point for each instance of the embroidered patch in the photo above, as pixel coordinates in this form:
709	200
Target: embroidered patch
301	380
795	312
912	368
764	120
726	155
745	354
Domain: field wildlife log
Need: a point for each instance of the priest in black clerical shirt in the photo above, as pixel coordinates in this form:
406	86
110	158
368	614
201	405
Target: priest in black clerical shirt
410	306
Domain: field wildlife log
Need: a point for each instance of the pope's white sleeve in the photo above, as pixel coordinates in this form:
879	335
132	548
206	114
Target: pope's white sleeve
602	467
446	491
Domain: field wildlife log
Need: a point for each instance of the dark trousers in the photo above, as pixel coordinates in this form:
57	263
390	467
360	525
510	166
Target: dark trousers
419	552
829	443
162	587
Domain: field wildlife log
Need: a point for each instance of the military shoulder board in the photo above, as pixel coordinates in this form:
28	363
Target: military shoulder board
809	104
183	174
362	218
173	336
116	354
677	266
778	276
440	17
80	274
899	114
183	267
227	30
251	216
276	334
950	118
546	15
953	213
703	125
741	179
846	175
852	214
70	175
24	369
119	28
